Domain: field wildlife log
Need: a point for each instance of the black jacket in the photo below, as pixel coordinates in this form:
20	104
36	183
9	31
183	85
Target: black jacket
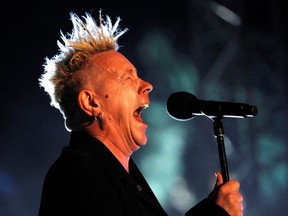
88	180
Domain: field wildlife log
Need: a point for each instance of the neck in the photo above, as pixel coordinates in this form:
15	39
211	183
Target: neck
117	146
121	157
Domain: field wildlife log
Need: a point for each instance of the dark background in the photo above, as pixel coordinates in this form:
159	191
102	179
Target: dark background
197	46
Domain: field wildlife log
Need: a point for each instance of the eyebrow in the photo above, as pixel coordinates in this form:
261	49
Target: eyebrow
132	71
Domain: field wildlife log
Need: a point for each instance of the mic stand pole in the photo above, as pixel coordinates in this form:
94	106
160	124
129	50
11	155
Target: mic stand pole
219	135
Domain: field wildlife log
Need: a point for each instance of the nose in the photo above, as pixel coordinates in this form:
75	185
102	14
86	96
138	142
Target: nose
145	87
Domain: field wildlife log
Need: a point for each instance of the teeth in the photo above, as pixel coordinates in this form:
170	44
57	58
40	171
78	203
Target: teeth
145	106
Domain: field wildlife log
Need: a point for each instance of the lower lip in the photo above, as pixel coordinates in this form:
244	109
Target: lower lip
140	120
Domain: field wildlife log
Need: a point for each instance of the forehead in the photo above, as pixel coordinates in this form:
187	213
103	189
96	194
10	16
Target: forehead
112	61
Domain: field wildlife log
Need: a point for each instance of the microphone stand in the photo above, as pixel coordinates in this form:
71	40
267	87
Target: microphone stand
219	135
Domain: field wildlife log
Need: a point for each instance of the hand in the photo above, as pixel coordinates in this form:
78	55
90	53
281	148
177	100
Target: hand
227	196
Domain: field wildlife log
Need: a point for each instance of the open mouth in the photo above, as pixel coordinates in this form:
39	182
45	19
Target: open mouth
138	112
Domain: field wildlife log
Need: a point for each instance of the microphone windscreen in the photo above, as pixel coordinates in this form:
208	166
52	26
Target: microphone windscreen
179	105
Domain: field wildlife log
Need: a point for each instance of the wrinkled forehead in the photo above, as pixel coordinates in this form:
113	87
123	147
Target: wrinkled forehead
112	61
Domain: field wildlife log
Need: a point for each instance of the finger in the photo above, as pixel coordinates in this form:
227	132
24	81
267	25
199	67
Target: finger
232	185
241	207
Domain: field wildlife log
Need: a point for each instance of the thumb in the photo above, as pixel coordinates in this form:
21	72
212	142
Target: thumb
219	179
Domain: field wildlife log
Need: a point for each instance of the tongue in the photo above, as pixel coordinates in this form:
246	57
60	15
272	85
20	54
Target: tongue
138	117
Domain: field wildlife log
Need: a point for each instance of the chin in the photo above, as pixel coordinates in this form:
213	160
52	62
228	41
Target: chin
143	143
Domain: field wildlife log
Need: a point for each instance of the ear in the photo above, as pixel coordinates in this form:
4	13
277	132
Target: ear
88	102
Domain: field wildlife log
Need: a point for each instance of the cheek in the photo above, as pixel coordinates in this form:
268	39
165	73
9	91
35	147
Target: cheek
119	103
117	109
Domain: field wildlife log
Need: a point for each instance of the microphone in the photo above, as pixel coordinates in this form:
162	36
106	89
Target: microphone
183	106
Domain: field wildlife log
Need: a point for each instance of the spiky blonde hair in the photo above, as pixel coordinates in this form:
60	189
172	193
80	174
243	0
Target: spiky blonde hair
61	77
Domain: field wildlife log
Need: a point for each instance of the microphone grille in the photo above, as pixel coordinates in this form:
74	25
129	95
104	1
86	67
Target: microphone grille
179	105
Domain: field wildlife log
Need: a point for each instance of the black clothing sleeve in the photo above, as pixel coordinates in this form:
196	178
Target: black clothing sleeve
206	208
